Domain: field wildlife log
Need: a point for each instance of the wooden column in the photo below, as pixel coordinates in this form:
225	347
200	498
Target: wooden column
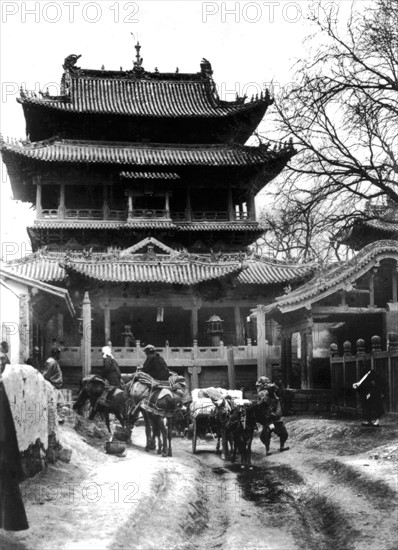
288	361
231	211
303	339
188	209
194	372
310	356
194	320
60	326
107	325
262	368
24	328
394	284
167	204
231	368
238	326
86	337
38	201
252	207
105	205
284	359
61	209
130	204
372	289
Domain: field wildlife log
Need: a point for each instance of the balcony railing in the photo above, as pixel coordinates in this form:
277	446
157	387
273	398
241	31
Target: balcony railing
82	214
174	356
148	213
139	214
209	216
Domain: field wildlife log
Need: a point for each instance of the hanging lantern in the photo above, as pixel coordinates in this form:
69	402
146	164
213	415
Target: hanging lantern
215	328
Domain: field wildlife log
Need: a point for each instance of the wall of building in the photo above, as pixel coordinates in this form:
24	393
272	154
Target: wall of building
33	405
10	293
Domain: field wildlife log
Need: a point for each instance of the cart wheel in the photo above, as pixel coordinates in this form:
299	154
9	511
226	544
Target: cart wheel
194	437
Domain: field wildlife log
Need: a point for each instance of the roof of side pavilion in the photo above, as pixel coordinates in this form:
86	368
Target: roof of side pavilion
336	277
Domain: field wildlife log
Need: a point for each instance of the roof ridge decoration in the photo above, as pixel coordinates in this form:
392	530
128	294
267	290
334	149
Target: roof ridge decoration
148	242
176	94
138	68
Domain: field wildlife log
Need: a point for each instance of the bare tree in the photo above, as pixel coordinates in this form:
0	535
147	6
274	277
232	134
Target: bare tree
343	116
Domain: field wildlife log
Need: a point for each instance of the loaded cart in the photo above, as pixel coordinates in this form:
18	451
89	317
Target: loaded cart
203	419
204	413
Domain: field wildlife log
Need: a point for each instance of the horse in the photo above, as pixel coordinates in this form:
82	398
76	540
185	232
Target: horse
116	401
242	425
158	405
222	419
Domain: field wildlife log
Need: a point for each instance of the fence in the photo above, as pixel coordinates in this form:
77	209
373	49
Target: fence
348	369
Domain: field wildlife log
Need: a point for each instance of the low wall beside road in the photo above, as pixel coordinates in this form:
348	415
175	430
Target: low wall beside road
33	403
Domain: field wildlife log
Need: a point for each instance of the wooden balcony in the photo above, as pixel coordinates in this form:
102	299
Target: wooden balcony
82	214
98	214
148	214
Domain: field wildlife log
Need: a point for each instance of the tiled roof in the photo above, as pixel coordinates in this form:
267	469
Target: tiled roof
150	175
184	269
39	267
383	225
123	94
76	224
172	272
146	155
39	285
337	277
267	272
219	226
147	224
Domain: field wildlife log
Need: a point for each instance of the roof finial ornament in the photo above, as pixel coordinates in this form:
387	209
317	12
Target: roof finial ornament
70	62
205	67
138	68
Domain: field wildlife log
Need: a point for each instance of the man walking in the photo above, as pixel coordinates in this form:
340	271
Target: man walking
371	389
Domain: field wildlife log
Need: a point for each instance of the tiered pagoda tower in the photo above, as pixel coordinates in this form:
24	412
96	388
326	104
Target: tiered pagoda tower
145	205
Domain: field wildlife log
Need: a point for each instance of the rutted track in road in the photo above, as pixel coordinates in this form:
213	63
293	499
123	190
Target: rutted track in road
263	508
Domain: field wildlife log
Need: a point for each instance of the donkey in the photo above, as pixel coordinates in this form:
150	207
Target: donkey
116	401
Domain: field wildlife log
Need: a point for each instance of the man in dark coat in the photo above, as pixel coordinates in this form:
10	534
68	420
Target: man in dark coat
12	510
271	412
371	390
155	365
34	360
110	369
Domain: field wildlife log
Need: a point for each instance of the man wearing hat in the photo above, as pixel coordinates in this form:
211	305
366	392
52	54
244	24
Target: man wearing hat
34	359
267	396
110	369
154	364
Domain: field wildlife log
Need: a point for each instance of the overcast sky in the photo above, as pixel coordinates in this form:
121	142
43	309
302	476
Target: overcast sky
249	44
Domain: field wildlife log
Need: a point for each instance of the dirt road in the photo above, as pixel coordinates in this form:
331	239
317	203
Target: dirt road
321	494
